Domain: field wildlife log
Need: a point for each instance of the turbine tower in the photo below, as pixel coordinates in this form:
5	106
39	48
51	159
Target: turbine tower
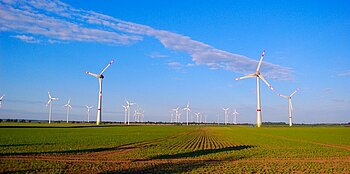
187	109
88	111
1	98
290	106
234	121
69	107
125	112
226	110
128	105
258	77
100	78
51	99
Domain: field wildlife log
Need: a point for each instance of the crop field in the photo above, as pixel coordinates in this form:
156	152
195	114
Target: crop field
75	148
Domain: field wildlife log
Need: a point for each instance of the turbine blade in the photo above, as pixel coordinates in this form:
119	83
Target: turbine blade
283	96
290	104
49	94
261	59
2	97
48	102
293	93
247	76
109	64
264	80
68	101
92	74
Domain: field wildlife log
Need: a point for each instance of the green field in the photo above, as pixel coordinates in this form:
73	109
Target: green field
79	148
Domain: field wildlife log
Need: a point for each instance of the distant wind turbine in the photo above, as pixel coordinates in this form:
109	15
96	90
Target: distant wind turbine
51	99
177	116
290	106
187	109
258	77
69	107
100	78
226	118
197	115
235	113
1	98
88	111
128	105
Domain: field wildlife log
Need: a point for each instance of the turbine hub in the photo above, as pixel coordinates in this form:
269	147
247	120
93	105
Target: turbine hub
101	76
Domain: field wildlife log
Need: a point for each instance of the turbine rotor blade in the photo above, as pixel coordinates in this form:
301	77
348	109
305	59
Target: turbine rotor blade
49	95
48	102
264	80
109	64
261	59
290	104
247	76
283	96
92	74
293	93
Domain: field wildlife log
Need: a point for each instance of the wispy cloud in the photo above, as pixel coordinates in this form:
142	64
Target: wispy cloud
157	55
59	21
344	73
28	39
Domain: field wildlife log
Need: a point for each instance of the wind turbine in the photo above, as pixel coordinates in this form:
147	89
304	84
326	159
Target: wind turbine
88	111
125	112
177	116
234	121
51	99
187	109
100	78
225	110
128	105
197	115
69	107
290	106
1	98
258	77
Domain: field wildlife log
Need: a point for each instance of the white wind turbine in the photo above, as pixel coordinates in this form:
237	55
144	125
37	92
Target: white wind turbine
177	116
69	107
1	98
290	106
258	77
234	121
226	118
198	114
187	109
128	105
51	99
100	78
125	112
88	111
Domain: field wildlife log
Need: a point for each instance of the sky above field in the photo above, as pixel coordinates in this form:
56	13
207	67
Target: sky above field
168	53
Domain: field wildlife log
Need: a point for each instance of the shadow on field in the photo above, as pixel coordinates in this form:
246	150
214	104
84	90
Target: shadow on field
201	152
169	164
63	126
75	151
19	145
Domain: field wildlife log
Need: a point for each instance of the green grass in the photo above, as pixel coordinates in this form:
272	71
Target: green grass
85	148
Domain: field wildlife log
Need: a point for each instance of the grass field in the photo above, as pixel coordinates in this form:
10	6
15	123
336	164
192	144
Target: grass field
79	148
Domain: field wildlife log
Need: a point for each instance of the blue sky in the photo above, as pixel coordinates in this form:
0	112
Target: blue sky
168	53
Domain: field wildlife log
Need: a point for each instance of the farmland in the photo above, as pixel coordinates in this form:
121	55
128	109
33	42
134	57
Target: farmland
38	148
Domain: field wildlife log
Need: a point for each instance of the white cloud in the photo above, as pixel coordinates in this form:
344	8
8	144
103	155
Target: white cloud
157	55
28	39
344	73
59	21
